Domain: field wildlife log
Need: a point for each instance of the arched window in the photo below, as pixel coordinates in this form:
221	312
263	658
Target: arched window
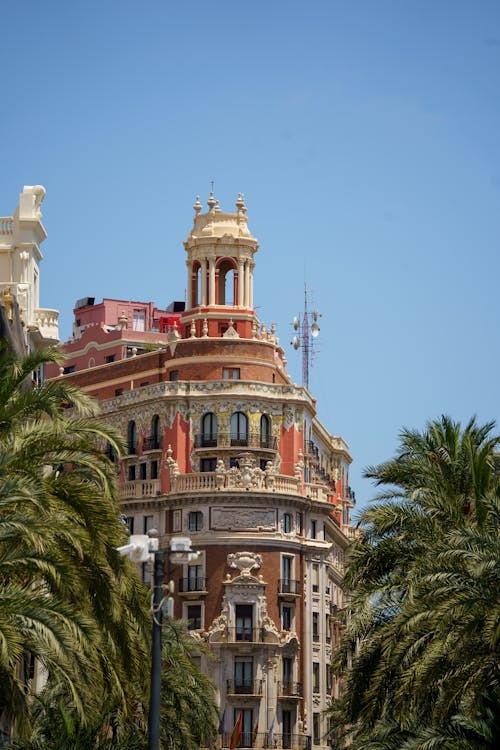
239	428
209	430
265	431
132	437
226	287
155	435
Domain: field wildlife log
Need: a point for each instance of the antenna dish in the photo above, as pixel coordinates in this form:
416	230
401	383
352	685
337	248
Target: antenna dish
295	342
296	324
314	330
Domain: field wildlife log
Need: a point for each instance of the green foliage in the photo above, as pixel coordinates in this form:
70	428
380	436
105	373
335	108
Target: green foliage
422	638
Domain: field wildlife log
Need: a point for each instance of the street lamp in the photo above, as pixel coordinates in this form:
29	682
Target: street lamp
144	548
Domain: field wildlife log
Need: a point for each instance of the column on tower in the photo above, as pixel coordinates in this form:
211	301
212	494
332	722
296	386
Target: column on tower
211	284
247	284
190	285
204	282
241	283
250	283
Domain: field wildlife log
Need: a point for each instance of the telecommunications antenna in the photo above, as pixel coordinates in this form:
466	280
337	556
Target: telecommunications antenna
306	333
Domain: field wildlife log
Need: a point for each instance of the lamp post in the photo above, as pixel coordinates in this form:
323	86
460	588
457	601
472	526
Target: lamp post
144	548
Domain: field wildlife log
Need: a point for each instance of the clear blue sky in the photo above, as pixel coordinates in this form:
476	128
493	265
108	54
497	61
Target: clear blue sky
365	135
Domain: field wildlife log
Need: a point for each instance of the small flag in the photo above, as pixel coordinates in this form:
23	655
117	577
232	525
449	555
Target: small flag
271	732
222	722
255	730
236	735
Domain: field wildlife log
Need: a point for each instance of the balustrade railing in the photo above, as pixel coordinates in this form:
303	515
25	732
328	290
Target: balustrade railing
6	225
235	439
289	586
200	481
269	739
139	488
244	687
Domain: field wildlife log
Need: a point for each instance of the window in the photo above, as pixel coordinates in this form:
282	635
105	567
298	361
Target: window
109	358
287	672
195	520
193	612
195	578
286	717
286	523
247	725
132	437
244	622
154	469
118	391
298	522
230	373
131	473
315	626
148	523
139	320
208	464
68	370
142	471
243	674
286	617
328	629
129	523
328	678
316	729
286	567
173	375
239	428
209	430
315	577
313	529
265	431
154	441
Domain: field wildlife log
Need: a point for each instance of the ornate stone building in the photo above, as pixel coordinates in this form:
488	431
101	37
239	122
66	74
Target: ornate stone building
223	448
22	321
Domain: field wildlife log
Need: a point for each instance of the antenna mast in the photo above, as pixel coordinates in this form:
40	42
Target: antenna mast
305	337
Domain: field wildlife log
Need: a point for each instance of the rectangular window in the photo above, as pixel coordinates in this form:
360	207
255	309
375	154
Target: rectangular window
109	358
298	521
315	626
286	617
195	578
286	567
244	622
287	672
154	469
193	612
328	629
313	529
287	523
129	523
139	320
316	730
247	726
316	688
243	675
208	464
173	375
119	392
148	523
328	678
142	471
315	577
195	520
230	373
131	473
68	370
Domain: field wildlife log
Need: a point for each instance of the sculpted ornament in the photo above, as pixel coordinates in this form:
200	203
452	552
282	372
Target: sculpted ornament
244	561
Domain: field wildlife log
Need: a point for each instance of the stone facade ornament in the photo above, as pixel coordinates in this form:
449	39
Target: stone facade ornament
171	463
244	561
299	466
231	332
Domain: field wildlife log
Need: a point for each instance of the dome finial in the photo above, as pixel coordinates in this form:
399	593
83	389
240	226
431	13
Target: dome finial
211	201
197	206
240	204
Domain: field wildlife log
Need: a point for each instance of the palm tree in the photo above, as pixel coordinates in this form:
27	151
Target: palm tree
422	625
67	598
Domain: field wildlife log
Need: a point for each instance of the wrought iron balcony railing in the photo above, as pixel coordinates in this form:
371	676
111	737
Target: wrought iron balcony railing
235	439
192	584
152	443
244	687
289	586
287	688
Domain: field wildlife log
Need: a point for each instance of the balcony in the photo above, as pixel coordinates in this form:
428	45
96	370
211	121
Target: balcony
152	443
192	586
244	687
235	440
288	587
285	741
139	489
47	322
289	689
210	481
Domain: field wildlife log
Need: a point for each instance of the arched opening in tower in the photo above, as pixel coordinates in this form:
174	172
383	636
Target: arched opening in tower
227	292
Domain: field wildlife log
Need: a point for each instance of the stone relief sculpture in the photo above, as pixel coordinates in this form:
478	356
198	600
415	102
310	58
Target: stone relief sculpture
244	561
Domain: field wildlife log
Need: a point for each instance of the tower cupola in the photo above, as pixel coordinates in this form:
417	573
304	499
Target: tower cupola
220	250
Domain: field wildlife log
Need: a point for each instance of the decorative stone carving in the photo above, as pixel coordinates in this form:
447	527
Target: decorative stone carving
171	463
231	332
244	561
204	329
299	466
243	518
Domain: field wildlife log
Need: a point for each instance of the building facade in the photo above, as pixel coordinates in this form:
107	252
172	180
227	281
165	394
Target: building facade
23	322
223	448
